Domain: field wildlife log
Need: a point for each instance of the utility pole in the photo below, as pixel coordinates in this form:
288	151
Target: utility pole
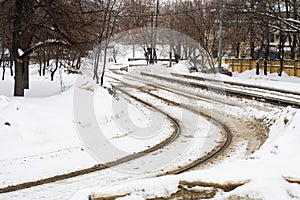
156	16
152	38
155	25
221	36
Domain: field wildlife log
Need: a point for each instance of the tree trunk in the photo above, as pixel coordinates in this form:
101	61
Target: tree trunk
78	64
296	17
55	69
57	64
252	50
266	59
96	65
281	40
237	55
293	47
2	62
2	57
19	71
257	67
26	72
46	65
267	51
11	67
19	82
3	72
252	34
104	65
281	54
41	66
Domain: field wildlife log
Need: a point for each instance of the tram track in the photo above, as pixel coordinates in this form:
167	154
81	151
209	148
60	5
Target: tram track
221	148
254	131
100	167
282	95
210	155
247	85
153	89
262	94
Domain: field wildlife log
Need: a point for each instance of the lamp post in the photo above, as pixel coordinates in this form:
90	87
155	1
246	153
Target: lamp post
221	36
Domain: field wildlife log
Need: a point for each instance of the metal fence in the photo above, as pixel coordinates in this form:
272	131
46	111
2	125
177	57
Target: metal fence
291	67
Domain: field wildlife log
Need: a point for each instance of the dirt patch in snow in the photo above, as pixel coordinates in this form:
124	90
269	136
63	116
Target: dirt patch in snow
200	190
247	136
186	190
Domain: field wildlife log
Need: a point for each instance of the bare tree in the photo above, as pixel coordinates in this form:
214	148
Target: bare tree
35	24
108	25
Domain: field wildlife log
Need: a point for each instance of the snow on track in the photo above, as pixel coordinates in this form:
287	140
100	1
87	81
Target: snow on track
198	137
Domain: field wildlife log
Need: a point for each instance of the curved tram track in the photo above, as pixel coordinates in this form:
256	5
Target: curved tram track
87	176
152	88
275	97
99	167
248	134
225	130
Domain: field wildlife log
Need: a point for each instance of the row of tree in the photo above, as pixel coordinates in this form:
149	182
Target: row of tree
268	29
253	25
40	30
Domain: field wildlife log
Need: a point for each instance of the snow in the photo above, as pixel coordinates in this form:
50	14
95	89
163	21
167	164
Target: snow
271	81
44	136
128	126
20	52
40	132
293	20
264	173
39	139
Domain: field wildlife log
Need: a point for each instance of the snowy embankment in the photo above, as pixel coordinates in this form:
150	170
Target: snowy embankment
39	137
271	81
37	133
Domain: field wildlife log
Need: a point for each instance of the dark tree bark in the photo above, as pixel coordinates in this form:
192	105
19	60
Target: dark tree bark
104	65
21	40
11	67
252	32
281	53
257	67
55	69
3	75
26	72
28	12
237	50
267	51
2	56
16	43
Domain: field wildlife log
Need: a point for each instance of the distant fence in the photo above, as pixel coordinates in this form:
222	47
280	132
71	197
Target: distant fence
291	67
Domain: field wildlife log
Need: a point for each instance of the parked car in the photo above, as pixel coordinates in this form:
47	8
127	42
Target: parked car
216	70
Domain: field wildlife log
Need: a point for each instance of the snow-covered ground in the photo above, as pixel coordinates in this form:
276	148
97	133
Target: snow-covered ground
263	172
38	139
266	174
